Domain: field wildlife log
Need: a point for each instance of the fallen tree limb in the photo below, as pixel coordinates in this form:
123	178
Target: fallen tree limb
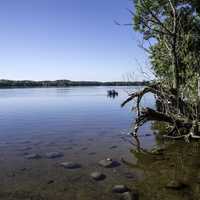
177	117
149	114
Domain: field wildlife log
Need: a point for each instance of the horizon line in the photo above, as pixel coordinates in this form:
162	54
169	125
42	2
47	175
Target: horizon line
2	79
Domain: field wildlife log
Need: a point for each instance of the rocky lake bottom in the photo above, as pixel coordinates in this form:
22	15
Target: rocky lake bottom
73	144
63	168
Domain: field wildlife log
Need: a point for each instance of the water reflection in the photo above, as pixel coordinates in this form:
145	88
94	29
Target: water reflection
169	171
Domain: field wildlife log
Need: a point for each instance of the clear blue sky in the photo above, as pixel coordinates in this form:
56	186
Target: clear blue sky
67	39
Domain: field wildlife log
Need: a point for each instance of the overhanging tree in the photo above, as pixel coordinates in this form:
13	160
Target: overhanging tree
172	29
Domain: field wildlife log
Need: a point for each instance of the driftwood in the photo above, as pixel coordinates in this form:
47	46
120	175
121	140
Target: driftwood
179	118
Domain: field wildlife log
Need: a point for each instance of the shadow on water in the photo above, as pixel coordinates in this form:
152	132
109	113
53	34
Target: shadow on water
169	171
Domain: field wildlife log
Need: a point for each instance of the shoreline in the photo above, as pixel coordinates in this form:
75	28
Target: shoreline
6	84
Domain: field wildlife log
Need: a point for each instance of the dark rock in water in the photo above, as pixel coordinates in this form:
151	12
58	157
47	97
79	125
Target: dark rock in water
126	196
23	169
12	175
25	142
71	140
175	185
108	163
148	134
130	196
32	156
113	147
158	151
25	148
97	176
25	153
84	148
198	179
92	153
37	143
51	144
129	175
50	182
70	165
120	189
68	148
76	178
52	155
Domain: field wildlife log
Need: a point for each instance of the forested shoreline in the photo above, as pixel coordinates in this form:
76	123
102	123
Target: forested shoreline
64	83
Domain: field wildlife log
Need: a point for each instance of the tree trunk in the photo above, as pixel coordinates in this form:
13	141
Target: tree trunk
175	62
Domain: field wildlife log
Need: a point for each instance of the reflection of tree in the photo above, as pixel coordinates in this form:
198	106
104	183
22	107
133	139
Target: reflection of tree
178	163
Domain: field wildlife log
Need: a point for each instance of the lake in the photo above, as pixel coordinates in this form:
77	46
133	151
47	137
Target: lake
84	126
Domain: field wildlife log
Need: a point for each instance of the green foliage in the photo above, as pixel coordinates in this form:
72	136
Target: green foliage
154	19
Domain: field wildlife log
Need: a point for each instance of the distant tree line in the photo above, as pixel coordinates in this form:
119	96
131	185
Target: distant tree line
64	83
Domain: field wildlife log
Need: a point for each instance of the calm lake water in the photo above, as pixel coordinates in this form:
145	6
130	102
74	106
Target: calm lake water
85	126
71	112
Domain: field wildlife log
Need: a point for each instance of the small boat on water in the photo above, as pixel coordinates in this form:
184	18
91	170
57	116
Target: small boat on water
112	93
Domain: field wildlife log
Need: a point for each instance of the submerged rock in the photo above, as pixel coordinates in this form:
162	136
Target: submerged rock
52	155
108	163
25	148
25	142
32	156
70	165
50	182
113	147
130	196
68	148
158	151
84	148
51	144
175	185
129	175
97	176
120	189
23	169
126	196
92	153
